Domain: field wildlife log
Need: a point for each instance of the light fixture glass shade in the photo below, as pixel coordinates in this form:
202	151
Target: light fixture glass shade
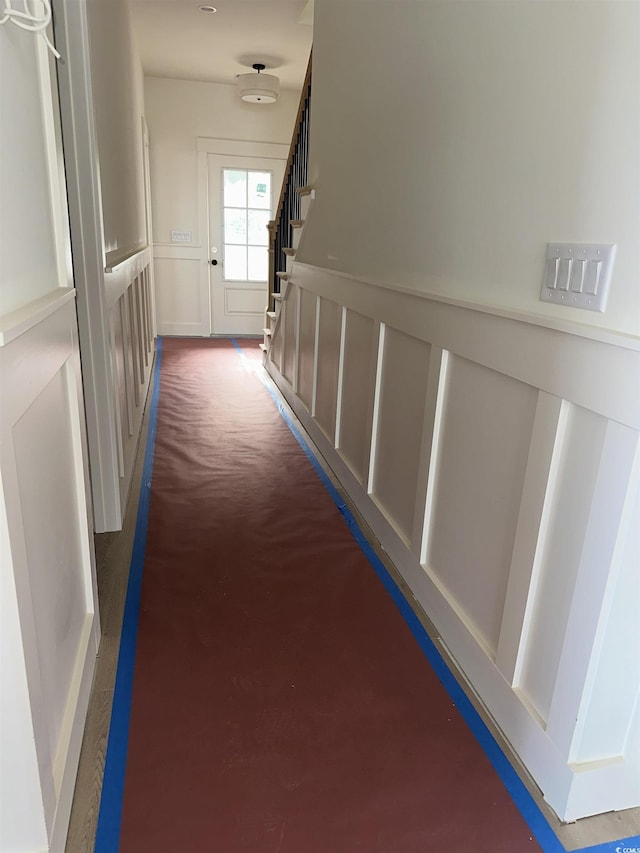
259	88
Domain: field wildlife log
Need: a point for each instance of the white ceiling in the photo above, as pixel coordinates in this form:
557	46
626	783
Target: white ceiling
177	40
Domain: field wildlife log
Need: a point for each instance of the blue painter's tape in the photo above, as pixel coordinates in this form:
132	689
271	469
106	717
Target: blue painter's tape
527	806
110	816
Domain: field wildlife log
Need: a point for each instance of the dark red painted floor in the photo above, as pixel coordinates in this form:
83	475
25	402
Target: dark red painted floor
280	703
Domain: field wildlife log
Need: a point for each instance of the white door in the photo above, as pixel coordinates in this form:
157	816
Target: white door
243	192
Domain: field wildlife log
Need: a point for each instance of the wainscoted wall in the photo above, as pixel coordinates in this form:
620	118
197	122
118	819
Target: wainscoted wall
128	294
182	303
496	458
49	623
105	153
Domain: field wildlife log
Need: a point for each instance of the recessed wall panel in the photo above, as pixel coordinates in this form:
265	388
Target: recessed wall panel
606	729
275	350
328	361
290	321
306	346
244	300
177	285
51	515
571	502
358	385
403	388
485	435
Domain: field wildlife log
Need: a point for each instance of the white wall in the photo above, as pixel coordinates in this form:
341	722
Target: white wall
25	264
49	626
116	75
177	113
451	142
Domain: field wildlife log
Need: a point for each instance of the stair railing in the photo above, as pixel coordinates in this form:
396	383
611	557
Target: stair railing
295	176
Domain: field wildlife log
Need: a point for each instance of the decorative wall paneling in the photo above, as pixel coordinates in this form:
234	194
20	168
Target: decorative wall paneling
49	623
496	459
114	297
129	303
183	309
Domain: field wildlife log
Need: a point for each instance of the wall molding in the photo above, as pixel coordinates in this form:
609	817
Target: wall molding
45	716
500	478
596	333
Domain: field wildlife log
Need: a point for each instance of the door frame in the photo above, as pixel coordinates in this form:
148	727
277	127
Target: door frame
229	148
249	323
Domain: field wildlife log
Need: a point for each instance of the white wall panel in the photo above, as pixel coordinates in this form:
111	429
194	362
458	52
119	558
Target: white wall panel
327	366
290	333
131	339
403	390
607	726
358	384
48	571
307	345
179	306
51	507
582	447
244	301
486	431
275	350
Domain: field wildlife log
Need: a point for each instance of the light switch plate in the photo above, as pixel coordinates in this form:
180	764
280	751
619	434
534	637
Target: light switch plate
578	274
181	236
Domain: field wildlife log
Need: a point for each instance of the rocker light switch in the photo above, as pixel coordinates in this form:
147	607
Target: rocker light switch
578	274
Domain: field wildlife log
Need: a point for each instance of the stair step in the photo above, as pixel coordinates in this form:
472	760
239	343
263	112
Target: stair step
263	347
304	190
283	276
296	223
272	315
289	252
267	332
278	296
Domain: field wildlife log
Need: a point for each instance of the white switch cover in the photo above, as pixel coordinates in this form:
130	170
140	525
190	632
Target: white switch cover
578	274
181	236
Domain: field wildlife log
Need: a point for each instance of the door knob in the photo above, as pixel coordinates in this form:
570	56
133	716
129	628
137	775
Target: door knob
214	263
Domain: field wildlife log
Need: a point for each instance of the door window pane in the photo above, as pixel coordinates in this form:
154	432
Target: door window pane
258	263
246	212
258	234
235	187
235	225
259	190
235	263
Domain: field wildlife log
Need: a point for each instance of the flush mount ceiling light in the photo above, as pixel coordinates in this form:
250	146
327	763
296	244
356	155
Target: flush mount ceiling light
209	9
258	88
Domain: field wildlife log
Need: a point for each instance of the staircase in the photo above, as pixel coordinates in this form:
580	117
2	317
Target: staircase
286	229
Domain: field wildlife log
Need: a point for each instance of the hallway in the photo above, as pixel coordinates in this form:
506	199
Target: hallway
279	701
